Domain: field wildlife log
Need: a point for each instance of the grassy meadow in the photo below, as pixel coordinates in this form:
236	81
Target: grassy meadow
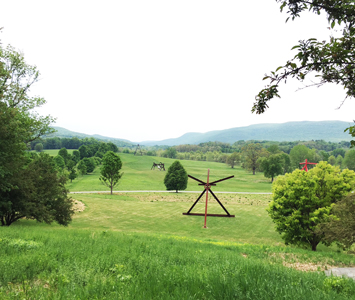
139	176
138	245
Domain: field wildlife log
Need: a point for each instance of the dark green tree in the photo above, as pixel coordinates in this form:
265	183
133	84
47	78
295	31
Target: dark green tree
64	153
82	167
76	156
272	165
110	170
71	169
303	200
59	161
341	225
170	152
176	177
83	151
90	164
332	61
40	194
349	159
39	147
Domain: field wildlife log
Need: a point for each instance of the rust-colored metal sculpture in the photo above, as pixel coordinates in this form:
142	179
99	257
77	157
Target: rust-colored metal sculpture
305	165
207	188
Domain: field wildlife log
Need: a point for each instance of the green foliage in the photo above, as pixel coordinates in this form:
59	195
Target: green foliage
59	161
251	153
339	161
349	160
170	153
82	167
332	60
233	159
272	165
83	151
12	147
16	79
30	185
110	170
176	177
40	194
64	153
302	200
338	151
341	227
332	160
39	147
76	156
299	154
90	164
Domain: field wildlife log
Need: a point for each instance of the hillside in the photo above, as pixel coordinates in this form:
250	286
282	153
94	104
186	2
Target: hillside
330	131
65	133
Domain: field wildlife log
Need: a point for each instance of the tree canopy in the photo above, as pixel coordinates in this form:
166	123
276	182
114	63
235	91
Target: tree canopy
176	177
110	169
30	185
303	200
331	61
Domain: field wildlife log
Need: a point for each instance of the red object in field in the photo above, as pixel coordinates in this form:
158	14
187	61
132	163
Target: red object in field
207	188
305	165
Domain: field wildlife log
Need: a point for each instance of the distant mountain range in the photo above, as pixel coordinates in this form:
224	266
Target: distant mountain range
330	131
65	133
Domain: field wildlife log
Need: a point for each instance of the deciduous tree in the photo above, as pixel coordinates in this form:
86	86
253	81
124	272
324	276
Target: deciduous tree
303	200
332	61
233	159
341	225
110	170
272	165
349	159
251	153
40	194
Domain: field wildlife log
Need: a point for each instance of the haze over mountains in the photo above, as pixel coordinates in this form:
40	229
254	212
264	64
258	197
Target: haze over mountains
330	131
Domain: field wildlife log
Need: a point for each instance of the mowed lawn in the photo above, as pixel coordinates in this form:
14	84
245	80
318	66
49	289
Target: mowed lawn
161	213
139	176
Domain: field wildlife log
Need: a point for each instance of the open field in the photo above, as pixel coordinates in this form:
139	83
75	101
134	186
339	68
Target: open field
140	246
136	245
139	176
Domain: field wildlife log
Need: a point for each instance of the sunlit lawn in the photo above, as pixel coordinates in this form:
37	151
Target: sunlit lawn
139	176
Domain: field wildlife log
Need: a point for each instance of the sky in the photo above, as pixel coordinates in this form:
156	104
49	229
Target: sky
155	69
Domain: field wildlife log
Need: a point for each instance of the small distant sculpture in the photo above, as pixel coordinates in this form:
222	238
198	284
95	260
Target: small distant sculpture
305	165
160	166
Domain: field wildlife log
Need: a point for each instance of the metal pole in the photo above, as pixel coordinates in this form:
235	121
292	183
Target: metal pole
207	186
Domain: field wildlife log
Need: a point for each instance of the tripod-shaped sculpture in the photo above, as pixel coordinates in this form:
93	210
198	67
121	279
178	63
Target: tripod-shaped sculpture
207	185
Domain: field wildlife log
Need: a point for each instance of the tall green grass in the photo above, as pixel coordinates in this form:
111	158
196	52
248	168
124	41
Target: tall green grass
41	262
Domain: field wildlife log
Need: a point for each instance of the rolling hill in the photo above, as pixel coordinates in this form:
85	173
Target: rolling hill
330	131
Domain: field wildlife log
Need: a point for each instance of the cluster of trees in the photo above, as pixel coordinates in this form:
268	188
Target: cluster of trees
68	143
84	160
30	184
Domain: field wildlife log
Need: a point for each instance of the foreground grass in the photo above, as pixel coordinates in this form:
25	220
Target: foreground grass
140	246
44	262
139	176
